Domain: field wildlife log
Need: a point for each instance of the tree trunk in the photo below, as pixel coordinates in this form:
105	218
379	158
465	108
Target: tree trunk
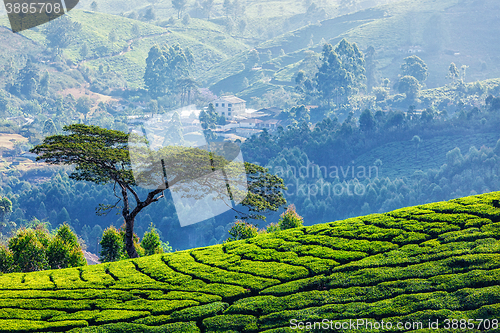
129	237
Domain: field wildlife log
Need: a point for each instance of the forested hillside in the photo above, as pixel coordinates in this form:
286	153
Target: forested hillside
437	262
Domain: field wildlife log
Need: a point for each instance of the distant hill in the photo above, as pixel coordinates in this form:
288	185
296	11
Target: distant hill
439	261
440	32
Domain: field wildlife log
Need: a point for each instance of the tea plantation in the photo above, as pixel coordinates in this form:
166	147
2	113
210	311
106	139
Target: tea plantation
438	261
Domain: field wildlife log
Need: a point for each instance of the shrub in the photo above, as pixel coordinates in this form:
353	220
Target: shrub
151	242
242	230
290	219
273	227
111	245
29	249
6	260
225	322
64	250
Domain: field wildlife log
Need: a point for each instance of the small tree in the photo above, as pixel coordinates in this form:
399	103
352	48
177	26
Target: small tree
151	242
179	5
64	250
111	245
416	141
366	121
272	227
453	72
242	230
28	247
409	86
290	219
49	128
416	67
5	208
6	260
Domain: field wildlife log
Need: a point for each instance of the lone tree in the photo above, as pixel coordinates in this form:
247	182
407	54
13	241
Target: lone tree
409	86
179	5
166	67
102	156
416	67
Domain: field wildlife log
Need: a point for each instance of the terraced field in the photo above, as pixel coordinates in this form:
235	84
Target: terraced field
438	261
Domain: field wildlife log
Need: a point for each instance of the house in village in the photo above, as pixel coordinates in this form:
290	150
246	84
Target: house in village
229	106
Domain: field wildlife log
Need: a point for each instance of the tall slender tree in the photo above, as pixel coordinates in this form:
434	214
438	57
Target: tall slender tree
341	72
179	5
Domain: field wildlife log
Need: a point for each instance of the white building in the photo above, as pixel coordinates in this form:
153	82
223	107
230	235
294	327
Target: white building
229	106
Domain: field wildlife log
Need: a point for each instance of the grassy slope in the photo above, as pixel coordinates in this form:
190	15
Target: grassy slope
439	260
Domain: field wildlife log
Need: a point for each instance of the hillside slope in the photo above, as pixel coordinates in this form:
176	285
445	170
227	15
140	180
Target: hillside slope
440	32
437	261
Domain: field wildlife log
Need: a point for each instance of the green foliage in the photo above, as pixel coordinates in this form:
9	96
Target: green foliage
35	249
28	247
242	230
6	260
165	67
290	219
111	245
5	208
409	85
231	322
437	260
151	242
416	67
64	250
341	73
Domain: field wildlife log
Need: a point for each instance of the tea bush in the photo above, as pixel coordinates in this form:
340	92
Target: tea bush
435	261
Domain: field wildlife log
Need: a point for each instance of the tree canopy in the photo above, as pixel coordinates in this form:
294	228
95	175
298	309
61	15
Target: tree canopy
165	67
416	67
341	72
102	156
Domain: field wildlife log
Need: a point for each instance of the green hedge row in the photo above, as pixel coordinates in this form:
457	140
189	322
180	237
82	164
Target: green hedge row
400	306
189	327
371	276
128	276
70	278
156	268
191	313
77	294
38	314
12	325
214	256
96	276
253	252
428	251
344	244
155	307
315	282
243	323
185	263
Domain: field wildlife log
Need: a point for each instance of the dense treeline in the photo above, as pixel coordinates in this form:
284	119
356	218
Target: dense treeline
50	195
324	182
